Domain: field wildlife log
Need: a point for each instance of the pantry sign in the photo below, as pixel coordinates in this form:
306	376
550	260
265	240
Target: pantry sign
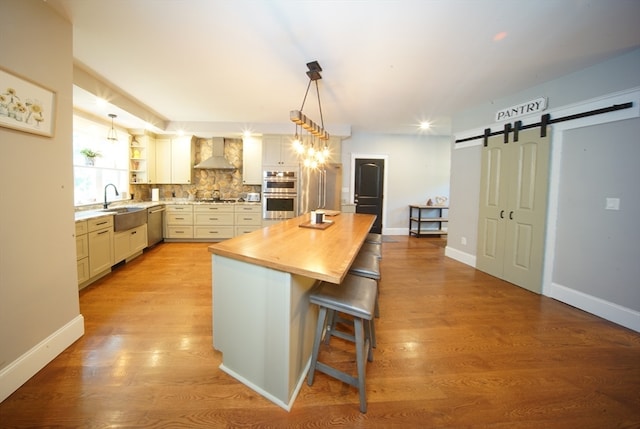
533	106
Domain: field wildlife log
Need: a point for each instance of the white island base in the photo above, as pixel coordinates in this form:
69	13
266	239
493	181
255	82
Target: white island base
264	326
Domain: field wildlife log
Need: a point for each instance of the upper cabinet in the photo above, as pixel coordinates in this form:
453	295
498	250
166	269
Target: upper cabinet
278	152
142	160
251	161
174	160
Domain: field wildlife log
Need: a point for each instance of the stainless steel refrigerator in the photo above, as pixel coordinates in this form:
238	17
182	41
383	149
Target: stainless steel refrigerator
320	188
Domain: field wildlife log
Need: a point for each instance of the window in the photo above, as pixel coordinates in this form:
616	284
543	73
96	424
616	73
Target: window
111	166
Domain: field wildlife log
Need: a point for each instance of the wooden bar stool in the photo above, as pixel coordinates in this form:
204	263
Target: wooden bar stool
355	297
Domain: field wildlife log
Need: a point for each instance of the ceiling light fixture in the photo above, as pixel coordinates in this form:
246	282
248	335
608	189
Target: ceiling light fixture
308	147
112	135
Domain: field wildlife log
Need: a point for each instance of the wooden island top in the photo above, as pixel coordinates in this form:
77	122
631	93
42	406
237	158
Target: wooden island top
322	254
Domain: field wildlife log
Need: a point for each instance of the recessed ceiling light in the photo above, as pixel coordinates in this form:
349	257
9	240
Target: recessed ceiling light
101	102
425	125
499	36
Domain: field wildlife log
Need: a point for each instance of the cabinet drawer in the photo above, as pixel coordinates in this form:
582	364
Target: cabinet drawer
179	231
179	218
100	223
214	219
214	232
81	227
183	208
249	208
240	230
213	208
82	247
249	219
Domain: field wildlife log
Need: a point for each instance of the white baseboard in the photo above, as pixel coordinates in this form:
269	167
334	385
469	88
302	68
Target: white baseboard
26	366
395	231
607	310
460	256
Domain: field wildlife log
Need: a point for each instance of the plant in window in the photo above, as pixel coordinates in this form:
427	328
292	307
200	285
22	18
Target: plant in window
90	155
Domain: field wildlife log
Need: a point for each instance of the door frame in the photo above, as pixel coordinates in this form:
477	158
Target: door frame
352	180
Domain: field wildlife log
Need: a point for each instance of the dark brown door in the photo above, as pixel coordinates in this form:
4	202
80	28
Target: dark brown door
369	180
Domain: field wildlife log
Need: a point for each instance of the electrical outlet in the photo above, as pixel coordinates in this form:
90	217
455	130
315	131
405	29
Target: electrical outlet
463	241
612	204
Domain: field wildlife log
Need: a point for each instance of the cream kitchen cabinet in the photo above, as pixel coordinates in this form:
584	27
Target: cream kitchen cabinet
252	161
82	251
248	218
179	222
100	241
130	243
278	152
174	160
213	221
142	160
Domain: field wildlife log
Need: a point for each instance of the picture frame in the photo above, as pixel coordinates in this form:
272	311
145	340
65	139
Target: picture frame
25	105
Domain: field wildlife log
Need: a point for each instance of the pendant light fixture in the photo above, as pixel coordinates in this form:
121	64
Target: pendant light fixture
312	148
112	135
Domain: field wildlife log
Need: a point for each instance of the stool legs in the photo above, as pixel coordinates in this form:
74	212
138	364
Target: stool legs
364	352
322	315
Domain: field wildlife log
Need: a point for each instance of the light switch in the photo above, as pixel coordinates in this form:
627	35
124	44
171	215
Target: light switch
612	204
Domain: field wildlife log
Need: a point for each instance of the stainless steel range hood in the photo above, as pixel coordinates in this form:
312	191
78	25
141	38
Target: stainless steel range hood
217	160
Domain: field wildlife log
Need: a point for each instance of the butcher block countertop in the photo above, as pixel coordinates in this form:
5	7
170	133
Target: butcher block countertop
322	254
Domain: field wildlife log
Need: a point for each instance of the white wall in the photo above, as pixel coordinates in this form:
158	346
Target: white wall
417	169
608	83
39	305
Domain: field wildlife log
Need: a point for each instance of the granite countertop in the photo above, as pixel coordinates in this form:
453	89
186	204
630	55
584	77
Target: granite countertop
96	210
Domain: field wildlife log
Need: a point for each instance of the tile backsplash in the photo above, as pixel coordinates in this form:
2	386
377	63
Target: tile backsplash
204	182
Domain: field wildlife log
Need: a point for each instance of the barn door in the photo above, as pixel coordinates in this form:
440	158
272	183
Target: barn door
513	205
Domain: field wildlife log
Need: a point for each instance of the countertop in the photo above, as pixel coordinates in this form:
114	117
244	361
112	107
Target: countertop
90	213
320	254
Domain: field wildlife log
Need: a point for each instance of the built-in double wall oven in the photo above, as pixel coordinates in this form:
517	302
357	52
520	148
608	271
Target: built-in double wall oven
279	194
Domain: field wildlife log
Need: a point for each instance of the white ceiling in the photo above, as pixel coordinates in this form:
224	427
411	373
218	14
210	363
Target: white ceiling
209	65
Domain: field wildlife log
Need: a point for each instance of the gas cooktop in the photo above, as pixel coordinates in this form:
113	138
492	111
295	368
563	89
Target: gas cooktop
215	200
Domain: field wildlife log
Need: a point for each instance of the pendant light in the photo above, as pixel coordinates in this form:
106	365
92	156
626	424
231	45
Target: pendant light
312	150
112	135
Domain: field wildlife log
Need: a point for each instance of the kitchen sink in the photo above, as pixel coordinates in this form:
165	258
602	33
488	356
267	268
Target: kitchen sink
127	217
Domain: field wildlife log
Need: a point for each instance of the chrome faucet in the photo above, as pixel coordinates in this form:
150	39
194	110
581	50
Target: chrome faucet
106	204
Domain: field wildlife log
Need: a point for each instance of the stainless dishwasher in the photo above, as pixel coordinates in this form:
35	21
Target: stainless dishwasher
155	223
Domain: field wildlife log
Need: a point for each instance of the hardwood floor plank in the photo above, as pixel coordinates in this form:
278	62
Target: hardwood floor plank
457	348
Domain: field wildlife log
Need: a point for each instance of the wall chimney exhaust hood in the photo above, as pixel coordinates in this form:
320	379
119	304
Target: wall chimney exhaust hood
217	160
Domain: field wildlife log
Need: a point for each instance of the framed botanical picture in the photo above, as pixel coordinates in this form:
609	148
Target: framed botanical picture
25	105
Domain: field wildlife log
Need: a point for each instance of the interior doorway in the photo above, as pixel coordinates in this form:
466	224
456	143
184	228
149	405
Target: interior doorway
368	188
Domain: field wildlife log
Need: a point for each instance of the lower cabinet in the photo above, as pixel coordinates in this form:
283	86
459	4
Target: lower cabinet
179	221
82	251
248	218
213	221
100	240
129	243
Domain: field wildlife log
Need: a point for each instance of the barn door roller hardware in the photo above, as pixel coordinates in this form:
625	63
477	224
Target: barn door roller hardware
545	121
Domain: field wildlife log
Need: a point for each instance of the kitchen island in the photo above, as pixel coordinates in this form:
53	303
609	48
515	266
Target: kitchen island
262	321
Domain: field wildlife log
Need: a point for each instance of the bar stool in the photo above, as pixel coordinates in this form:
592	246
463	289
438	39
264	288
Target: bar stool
367	265
374	238
355	296
376	249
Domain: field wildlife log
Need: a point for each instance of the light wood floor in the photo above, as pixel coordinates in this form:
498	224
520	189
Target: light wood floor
456	349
